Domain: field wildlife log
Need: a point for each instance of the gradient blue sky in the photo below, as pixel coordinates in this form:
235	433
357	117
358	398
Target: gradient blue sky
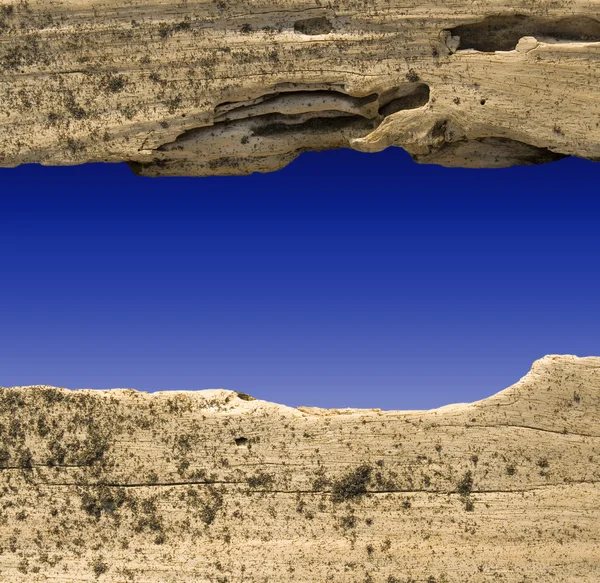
345	279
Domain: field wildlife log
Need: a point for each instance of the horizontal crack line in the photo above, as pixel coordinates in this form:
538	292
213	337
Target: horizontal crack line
46	466
551	430
468	425
292	73
299	491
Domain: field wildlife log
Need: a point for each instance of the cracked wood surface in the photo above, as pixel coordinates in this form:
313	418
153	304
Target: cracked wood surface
204	87
215	486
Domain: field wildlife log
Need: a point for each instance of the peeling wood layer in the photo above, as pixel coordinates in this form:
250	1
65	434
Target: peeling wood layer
215	486
200	87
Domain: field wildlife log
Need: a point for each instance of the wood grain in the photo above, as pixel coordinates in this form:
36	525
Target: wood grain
201	87
215	486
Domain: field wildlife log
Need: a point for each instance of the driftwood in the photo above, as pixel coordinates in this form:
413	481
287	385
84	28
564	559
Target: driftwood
215	486
230	87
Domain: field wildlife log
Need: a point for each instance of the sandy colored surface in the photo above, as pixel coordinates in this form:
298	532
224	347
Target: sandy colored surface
203	87
214	486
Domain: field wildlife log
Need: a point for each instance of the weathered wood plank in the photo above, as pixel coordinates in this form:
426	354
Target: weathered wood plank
215	486
458	83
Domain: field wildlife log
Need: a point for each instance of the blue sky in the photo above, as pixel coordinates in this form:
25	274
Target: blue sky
345	279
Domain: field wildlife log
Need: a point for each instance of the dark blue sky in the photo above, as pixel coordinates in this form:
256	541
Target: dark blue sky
345	279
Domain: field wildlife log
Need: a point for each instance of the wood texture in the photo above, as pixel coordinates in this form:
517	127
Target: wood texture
215	486
202	87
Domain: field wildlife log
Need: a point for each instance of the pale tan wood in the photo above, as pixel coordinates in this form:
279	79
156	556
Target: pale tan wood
215	486
172	87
